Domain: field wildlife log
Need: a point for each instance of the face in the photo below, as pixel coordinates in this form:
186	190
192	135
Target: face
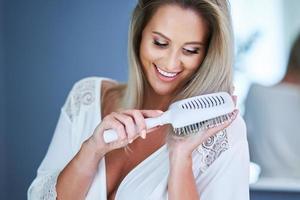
172	48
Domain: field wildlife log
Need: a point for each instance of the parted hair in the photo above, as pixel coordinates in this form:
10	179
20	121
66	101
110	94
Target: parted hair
214	73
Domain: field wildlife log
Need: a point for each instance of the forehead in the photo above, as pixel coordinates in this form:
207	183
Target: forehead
175	21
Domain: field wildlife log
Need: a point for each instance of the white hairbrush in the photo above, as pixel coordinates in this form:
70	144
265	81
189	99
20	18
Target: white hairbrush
189	116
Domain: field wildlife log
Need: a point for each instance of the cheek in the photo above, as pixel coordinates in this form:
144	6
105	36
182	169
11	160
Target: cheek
148	53
192	65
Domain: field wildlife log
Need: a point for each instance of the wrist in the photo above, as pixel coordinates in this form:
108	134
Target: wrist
180	160
90	149
179	154
86	160
99	150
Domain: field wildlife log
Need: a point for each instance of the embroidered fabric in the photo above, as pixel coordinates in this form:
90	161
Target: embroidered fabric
46	189
82	94
211	149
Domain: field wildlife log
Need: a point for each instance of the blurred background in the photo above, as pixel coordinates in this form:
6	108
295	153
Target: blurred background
46	46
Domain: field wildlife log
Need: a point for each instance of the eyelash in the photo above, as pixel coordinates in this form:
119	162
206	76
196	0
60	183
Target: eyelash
192	52
161	45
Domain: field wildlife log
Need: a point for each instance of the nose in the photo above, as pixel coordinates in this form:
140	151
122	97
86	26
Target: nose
173	62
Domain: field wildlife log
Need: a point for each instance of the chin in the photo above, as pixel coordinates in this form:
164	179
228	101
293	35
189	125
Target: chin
162	90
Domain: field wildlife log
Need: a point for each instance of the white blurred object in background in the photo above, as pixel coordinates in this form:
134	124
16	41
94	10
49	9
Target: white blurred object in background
254	172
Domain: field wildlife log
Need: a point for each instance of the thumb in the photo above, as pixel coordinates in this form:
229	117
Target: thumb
151	113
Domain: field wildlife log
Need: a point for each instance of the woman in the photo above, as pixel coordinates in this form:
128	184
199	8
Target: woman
178	49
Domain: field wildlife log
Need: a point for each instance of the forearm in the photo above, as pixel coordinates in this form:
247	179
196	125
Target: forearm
181	183
75	179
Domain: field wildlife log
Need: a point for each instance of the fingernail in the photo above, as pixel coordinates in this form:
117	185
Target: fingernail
130	141
159	111
143	134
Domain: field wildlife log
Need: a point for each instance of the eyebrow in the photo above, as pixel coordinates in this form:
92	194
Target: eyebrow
162	35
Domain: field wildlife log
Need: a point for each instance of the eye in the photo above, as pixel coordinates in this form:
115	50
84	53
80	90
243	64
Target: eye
157	43
189	51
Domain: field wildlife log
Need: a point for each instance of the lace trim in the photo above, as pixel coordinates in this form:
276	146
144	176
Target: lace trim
83	93
46	189
212	149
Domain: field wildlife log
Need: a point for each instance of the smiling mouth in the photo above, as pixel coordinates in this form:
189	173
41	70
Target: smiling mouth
166	74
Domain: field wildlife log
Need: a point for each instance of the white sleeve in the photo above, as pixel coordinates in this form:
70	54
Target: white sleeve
227	178
58	155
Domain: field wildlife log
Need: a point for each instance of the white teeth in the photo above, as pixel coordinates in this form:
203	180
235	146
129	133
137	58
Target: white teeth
167	74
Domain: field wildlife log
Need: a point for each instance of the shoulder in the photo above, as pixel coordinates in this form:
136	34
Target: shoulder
92	83
106	86
84	90
111	94
84	93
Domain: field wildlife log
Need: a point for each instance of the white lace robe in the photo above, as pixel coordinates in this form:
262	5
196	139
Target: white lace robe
220	165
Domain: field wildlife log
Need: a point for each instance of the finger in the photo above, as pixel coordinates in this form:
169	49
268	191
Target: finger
204	135
218	128
112	123
151	113
128	123
234	98
232	89
234	114
148	114
139	121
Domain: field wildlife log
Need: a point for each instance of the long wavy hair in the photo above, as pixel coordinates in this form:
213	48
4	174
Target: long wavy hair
214	73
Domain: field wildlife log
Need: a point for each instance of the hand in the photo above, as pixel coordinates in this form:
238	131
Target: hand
129	125
182	147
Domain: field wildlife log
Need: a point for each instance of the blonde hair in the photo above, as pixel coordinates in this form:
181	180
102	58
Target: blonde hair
215	72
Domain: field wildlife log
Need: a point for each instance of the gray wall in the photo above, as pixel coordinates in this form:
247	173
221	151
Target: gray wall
49	46
2	108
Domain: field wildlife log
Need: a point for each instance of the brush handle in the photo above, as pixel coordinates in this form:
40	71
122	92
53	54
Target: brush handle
111	135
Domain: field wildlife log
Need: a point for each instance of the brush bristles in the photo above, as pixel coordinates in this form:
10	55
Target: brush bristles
200	126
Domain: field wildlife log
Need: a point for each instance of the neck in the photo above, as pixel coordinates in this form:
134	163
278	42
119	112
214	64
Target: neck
154	101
